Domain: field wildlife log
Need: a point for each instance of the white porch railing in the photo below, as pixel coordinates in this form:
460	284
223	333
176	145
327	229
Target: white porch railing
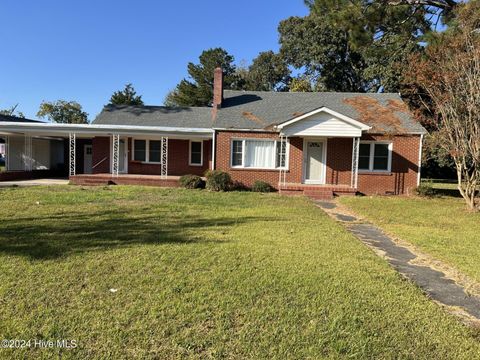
355	154
164	158
115	154
72	158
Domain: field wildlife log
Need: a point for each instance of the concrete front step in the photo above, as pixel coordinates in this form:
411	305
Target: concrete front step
316	192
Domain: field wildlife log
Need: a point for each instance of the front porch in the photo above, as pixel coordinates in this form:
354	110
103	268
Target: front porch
124	179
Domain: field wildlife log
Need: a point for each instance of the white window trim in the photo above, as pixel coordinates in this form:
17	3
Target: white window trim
243	140
372	156
190	163
147	151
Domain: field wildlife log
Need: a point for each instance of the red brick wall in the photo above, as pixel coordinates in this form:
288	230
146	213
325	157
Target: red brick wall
403	177
339	163
248	176
178	158
100	150
401	180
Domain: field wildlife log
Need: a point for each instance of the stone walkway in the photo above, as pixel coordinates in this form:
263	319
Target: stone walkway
434	283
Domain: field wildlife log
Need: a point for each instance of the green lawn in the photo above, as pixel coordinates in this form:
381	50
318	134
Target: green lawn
440	226
204	275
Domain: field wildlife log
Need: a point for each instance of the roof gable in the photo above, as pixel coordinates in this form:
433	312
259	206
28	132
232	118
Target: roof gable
323	120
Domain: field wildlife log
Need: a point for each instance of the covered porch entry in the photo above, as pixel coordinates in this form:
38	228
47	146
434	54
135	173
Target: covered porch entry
86	151
329	144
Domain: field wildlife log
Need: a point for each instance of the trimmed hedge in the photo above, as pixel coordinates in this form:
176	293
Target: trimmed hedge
192	182
218	180
261	186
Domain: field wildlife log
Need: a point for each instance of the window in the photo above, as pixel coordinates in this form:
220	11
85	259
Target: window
196	153
374	156
258	153
281	154
237	153
140	153
149	151
154	148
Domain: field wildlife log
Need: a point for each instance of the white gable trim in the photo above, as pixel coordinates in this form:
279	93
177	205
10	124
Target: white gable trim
347	119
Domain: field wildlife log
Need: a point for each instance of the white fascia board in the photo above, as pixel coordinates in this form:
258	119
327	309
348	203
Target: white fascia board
347	119
99	129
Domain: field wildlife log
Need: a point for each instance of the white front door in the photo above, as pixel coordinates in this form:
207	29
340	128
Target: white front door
314	162
87	159
122	157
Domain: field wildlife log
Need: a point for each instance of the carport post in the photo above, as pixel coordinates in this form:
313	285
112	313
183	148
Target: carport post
72	147
7	153
115	153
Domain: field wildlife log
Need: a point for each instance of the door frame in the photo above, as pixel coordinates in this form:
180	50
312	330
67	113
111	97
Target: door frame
322	180
85	146
125	156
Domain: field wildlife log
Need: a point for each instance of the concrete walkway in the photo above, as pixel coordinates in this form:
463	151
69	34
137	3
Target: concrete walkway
434	283
36	182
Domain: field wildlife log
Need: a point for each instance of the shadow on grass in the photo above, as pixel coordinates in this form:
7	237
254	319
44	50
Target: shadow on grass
60	235
447	192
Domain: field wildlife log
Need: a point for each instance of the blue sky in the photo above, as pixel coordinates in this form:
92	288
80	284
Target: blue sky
85	50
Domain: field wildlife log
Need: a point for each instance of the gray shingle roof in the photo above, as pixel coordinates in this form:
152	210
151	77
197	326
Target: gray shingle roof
262	110
385	112
191	117
8	118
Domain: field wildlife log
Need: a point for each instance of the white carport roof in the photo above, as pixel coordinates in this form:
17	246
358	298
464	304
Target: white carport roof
90	130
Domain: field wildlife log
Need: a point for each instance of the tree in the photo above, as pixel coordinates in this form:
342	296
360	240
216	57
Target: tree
300	84
12	111
267	72
447	81
64	112
198	89
127	96
344	55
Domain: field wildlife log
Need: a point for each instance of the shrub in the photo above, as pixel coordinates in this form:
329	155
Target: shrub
425	189
239	186
218	180
192	182
261	186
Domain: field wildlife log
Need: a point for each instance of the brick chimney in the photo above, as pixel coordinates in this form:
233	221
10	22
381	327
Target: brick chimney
217	88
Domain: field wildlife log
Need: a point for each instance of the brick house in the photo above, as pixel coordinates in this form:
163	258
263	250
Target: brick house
319	144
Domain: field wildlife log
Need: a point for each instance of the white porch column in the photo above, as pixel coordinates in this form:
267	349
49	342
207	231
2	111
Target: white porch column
27	153
164	158
355	154
72	155
282	174
115	153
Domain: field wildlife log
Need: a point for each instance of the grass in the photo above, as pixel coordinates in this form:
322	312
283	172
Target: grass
204	275
439	226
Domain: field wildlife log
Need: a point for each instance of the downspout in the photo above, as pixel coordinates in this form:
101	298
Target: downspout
420	149
213	148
